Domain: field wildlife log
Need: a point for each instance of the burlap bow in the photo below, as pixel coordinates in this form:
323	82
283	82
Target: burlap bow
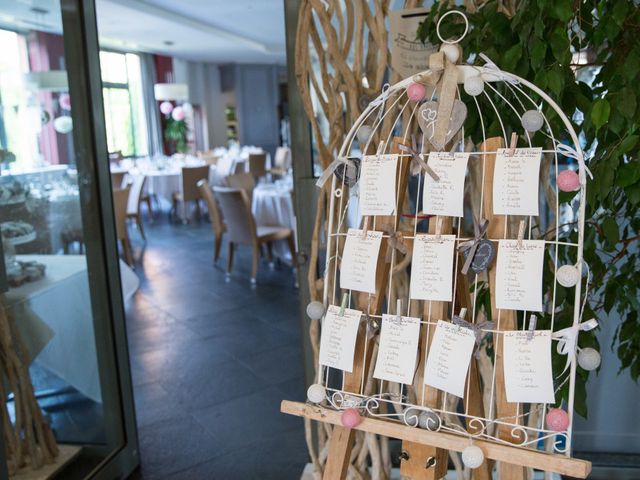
476	328
350	170
479	230
417	162
396	242
568	339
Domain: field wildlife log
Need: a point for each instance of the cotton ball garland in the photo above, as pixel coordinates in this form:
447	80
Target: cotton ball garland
557	420
589	358
315	310
568	276
452	52
350	418
532	120
316	393
474	85
472	456
364	133
416	92
568	181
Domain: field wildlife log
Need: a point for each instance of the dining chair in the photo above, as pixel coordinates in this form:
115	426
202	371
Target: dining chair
239	167
242	181
117	178
190	193
281	161
135	199
120	201
214	215
258	164
242	229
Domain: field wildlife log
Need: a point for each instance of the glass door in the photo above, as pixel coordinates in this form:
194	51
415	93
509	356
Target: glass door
65	386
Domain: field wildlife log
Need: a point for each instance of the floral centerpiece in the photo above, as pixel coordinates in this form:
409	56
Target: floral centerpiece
176	126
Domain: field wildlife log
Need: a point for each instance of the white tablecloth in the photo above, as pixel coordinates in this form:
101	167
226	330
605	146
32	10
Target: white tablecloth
273	207
54	319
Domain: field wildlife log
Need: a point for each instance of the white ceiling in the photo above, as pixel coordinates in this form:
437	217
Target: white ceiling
221	31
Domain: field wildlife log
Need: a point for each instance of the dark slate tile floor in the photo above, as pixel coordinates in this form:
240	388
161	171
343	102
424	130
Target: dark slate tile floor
211	359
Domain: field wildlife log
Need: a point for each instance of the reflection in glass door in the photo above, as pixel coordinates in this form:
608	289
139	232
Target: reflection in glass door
64	382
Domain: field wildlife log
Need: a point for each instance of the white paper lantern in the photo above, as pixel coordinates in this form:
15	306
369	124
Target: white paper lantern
568	276
472	456
63	124
316	393
315	310
532	120
474	85
589	358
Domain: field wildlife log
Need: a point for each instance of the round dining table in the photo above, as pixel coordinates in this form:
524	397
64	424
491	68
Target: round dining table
272	206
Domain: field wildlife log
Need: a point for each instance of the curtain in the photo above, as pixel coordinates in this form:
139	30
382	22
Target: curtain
154	130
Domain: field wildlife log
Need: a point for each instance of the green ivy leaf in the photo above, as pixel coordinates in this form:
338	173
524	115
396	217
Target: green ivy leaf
631	65
600	113
511	56
627	103
620	11
628	143
628	174
562	10
610	229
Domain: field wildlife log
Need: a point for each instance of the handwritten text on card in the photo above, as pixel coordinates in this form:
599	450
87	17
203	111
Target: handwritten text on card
338	340
359	261
445	196
378	185
432	268
398	349
515	181
519	275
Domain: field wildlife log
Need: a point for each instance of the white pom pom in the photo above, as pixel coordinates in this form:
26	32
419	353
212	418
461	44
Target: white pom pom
315	310
589	358
472	456
363	134
452	52
316	393
474	86
532	120
568	276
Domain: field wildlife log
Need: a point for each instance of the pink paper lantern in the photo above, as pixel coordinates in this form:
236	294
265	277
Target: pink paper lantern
568	181
178	114
351	418
65	101
557	420
166	108
416	92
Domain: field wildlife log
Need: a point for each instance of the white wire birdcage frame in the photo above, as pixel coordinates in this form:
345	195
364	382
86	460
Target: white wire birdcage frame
393	101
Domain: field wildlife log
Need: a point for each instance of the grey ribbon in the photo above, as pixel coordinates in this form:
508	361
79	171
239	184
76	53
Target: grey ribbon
476	328
350	170
417	163
396	241
479	230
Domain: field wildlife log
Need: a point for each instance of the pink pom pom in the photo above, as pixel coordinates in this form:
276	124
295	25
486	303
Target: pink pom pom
65	101
166	107
351	418
557	420
178	114
416	92
568	181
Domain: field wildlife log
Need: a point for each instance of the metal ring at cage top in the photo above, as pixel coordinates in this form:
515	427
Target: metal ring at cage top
466	27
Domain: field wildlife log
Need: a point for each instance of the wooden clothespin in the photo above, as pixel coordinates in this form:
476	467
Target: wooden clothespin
521	233
399	309
533	320
439	220
513	144
380	150
343	305
365	226
463	313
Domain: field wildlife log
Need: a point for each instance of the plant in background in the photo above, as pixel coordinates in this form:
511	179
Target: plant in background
540	41
176	129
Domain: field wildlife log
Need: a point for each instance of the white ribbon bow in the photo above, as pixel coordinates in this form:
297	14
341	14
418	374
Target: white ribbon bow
568	339
326	174
571	152
495	69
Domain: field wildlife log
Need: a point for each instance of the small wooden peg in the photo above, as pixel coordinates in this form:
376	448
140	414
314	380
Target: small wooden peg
513	145
521	233
380	150
463	313
439	220
365	227
533	320
399	309
343	305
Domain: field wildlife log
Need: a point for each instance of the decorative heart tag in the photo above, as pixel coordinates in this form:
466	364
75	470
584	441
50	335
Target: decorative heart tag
427	119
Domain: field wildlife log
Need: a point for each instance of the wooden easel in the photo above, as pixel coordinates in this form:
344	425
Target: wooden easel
420	444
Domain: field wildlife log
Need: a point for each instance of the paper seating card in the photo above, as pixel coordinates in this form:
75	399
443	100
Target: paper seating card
359	261
448	358
515	182
398	349
528	377
445	196
432	268
519	275
338	340
378	185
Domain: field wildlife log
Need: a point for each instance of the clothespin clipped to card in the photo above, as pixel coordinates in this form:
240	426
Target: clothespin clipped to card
380	150
463	313
521	233
343	305
365	227
398	309
439	220
513	144
533	320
